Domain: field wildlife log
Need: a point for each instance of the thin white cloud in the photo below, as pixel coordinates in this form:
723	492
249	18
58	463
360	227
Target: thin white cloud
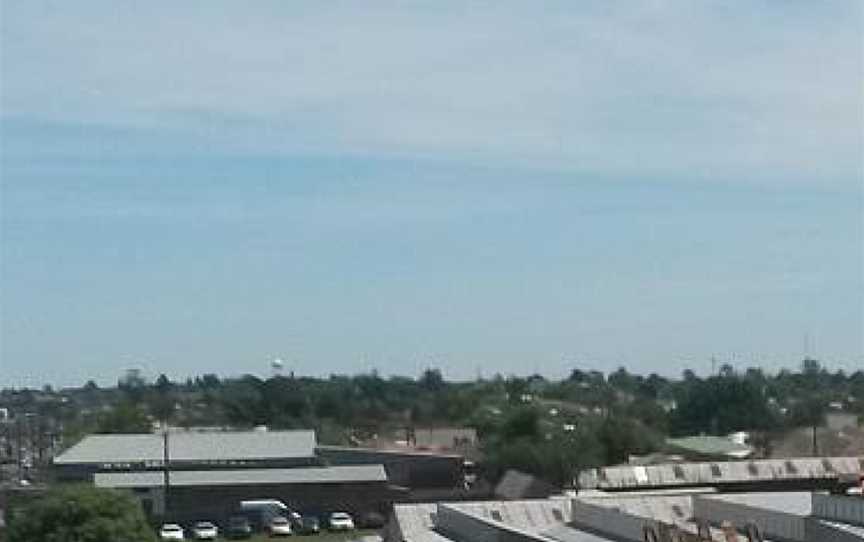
757	91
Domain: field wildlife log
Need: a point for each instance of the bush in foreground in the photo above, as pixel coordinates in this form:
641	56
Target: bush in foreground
80	514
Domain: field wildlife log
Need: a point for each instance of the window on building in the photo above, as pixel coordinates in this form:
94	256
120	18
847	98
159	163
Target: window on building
557	514
753	469
676	508
496	515
715	470
679	472
826	464
791	468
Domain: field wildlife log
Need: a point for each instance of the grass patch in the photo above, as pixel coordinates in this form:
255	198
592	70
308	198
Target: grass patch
323	536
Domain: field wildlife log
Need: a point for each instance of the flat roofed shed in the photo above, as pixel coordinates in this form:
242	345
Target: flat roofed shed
192	447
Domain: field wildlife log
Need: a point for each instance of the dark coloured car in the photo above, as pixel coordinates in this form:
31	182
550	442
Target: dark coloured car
308	525
238	527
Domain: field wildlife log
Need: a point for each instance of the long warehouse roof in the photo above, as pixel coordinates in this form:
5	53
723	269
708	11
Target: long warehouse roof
191	446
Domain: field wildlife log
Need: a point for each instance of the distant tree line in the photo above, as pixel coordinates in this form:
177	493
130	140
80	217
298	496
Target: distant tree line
547	427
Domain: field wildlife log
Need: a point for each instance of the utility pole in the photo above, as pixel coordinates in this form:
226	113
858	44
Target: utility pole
19	443
166	471
815	447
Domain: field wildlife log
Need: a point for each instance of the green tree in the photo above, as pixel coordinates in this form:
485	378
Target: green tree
621	437
80	514
126	417
432	381
162	399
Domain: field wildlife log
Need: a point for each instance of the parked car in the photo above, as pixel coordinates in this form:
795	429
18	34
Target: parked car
340	521
239	527
308	525
279	526
171	531
372	520
205	530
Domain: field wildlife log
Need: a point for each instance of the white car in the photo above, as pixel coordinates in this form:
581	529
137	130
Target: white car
204	530
280	526
341	521
171	531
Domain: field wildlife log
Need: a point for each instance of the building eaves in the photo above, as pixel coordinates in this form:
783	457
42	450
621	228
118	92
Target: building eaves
310	475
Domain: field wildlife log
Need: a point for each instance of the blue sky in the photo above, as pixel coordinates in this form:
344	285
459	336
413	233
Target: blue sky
481	187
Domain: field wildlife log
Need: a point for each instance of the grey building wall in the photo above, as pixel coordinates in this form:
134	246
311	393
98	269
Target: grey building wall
819	531
610	521
839	508
403	469
217	503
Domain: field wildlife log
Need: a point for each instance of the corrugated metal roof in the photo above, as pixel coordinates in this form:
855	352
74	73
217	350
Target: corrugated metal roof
674	510
795	502
416	524
192	446
532	515
719	472
306	475
498	519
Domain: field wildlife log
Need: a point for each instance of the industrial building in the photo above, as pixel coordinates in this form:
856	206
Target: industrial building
405	468
209	473
680	514
186	450
807	473
213	495
598	517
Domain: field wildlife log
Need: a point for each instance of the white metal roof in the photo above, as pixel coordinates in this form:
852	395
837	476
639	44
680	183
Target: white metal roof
719	472
191	446
532	515
416	522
